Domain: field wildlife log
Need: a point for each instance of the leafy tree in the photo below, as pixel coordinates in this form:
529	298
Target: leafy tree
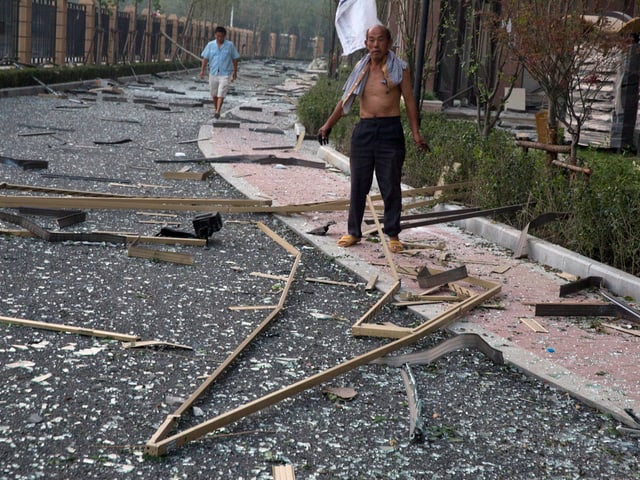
569	57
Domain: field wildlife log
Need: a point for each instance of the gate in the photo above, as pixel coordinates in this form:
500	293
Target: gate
43	31
168	45
76	28
155	39
101	40
123	36
8	31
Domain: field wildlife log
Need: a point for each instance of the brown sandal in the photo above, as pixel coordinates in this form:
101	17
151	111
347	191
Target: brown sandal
348	240
396	246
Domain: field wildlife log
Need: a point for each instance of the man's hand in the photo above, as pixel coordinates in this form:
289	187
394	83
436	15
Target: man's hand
201	73
323	135
421	143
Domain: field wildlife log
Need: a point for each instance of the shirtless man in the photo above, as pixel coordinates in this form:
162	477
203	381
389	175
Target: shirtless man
377	141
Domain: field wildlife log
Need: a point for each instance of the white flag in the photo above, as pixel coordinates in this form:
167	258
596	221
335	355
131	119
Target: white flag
353	19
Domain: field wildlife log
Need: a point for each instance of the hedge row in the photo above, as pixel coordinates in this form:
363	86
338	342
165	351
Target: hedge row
22	77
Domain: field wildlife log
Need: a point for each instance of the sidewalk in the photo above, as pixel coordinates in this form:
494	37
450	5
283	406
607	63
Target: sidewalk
596	365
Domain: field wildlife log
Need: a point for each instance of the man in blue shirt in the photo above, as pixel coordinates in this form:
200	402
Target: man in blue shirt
222	57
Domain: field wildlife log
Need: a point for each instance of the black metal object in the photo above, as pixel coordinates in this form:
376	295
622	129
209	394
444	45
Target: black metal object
64	217
84	178
454	217
24	164
206	224
575	310
626	310
427	280
573	287
540	220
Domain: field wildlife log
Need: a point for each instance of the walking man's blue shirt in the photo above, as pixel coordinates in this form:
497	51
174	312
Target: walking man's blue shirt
220	57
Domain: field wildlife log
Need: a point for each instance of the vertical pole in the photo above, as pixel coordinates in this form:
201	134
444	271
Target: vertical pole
422	40
61	32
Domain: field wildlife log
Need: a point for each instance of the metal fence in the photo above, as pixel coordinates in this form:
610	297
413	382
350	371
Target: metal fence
76	21
168	45
155	39
8	31
59	32
123	41
101	43
43	31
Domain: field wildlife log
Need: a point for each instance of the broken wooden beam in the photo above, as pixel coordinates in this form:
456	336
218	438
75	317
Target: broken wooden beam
157	447
173	419
69	328
158	255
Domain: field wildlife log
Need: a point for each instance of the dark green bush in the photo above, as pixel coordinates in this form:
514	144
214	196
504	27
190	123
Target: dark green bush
23	77
315	107
607	213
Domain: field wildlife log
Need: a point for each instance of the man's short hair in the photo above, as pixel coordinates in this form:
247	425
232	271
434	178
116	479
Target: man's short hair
221	30
384	27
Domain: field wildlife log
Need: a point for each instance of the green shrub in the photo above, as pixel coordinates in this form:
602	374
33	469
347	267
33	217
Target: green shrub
23	77
315	107
607	213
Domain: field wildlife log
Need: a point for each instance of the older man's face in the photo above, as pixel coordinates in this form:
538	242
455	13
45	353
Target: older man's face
219	37
377	42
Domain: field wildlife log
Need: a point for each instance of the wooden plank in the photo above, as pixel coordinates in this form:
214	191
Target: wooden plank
623	330
172	419
383	240
331	282
172	257
69	328
161	447
133	238
371	284
380	330
534	325
378	305
284	472
268	275
123	202
500	269
240	308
